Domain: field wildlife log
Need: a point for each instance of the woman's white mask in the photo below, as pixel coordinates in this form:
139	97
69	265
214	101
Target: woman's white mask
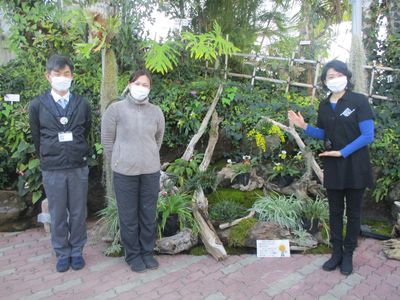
337	84
138	92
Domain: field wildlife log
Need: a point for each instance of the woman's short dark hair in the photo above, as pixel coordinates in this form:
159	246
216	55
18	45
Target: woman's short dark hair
58	62
340	67
139	73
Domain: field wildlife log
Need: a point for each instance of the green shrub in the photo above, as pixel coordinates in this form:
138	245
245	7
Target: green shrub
181	170
109	221
206	180
279	209
226	211
315	210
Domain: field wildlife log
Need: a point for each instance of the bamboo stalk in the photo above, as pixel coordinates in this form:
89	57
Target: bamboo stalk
317	67
371	84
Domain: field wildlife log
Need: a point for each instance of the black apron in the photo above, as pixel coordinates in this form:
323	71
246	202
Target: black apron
341	127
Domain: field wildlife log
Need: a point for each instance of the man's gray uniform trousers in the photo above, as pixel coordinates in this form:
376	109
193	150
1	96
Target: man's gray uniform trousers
66	192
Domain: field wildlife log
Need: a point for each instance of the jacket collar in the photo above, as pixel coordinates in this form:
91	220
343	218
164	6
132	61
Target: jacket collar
346	97
49	103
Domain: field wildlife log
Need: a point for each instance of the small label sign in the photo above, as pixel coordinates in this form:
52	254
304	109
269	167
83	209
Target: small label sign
273	248
12	98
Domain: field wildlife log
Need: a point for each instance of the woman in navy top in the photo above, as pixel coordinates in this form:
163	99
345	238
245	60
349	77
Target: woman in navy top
345	123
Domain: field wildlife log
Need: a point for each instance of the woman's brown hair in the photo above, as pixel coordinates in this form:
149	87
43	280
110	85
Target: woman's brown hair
139	73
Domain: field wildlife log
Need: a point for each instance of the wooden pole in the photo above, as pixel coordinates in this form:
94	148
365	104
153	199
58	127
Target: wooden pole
226	61
291	62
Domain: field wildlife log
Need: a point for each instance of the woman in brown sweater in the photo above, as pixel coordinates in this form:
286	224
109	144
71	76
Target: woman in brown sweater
132	131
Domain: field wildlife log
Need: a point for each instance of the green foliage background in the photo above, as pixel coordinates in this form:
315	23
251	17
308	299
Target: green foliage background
184	94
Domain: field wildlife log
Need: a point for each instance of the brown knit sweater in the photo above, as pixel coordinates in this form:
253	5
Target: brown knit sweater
131	135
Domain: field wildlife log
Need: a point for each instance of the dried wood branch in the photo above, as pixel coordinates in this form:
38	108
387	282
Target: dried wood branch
301	145
190	148
237	221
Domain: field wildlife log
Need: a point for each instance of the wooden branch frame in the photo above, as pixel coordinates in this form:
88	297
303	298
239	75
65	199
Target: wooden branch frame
208	235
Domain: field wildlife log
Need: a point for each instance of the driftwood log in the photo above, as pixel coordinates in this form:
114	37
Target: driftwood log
200	203
177	243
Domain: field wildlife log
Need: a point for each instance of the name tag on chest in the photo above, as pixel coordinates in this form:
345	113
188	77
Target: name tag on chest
347	112
65	136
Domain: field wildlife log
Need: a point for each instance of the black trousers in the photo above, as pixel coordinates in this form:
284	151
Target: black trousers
337	198
137	205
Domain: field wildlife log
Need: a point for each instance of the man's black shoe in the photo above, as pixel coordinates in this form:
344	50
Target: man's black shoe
63	265
77	262
150	262
137	265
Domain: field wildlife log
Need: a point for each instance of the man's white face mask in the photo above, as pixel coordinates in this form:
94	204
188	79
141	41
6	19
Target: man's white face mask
61	83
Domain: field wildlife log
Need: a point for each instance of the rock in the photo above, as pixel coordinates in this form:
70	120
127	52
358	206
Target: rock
225	176
266	231
13	210
391	248
269	231
260	231
12	207
255	182
177	243
394	194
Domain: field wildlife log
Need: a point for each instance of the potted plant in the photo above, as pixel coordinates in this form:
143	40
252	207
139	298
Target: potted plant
207	180
242	171
174	214
286	169
313	213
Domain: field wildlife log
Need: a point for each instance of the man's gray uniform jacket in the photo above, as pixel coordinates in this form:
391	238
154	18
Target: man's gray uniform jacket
44	120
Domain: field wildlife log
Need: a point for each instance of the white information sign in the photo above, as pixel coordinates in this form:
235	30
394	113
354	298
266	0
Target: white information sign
273	248
182	22
12	98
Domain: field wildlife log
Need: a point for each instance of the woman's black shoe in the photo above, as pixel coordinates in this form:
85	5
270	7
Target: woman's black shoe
332	263
346	267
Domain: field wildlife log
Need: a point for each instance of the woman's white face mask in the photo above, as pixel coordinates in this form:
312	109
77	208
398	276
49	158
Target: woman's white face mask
337	84
138	92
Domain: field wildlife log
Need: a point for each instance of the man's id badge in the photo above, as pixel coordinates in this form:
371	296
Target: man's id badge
65	136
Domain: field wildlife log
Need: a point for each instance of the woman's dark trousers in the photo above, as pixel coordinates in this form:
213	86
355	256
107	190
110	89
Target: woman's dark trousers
337	198
137	204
